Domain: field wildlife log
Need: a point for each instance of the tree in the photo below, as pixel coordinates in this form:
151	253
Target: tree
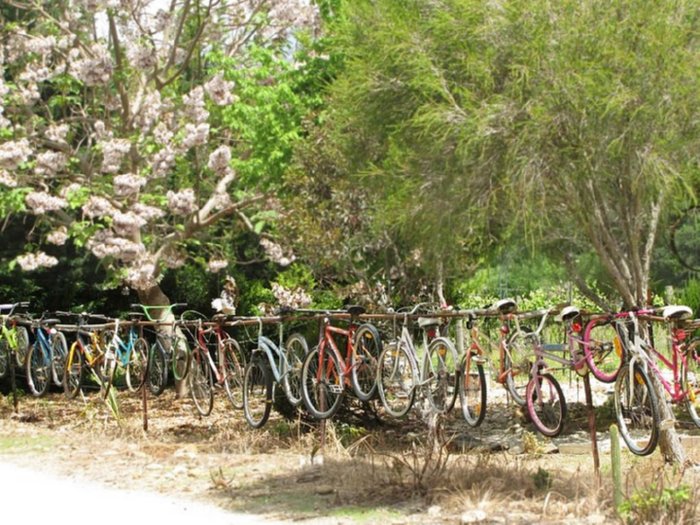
133	130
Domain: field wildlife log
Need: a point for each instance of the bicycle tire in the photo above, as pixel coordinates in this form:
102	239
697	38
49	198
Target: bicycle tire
548	410
5	358
201	383
233	368
73	375
22	349
516	362
38	370
295	349
157	371
181	355
322	384
690	380
637	416
137	365
366	349
472	391
397	379
59	350
257	392
441	374
603	350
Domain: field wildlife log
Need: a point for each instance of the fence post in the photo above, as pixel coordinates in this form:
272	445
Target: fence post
616	470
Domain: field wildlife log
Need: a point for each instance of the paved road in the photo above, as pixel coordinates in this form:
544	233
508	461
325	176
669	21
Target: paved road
39	497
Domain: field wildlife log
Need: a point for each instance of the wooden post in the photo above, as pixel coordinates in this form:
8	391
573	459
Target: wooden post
615	456
144	401
592	425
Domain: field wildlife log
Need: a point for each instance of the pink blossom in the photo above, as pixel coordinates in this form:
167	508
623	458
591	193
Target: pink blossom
220	90
219	160
32	261
147	213
14	153
216	265
7	180
182	202
275	252
48	163
128	184
59	236
41	202
98	207
113	151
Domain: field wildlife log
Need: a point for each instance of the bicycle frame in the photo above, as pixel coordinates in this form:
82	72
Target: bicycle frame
221	336
327	340
275	356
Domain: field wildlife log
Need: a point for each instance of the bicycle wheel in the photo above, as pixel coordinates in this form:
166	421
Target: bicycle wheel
257	392
690	379
137	365
603	349
366	349
5	358
201	383
517	365
157	372
635	410
472	391
22	345
73	374
59	351
397	378
234	372
181	358
295	349
546	404
38	370
441	374
321	384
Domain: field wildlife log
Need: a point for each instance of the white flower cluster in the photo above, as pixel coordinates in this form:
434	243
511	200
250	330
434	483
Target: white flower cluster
7	180
98	207
31	261
195	107
128	184
57	133
275	252
221	200
219	160
48	163
173	259
182	202
195	135
142	277
141	57
147	213
104	244
163	160
93	70
113	152
149	112
41	202
59	236
219	90
41	45
14	153
126	223
296	298
216	265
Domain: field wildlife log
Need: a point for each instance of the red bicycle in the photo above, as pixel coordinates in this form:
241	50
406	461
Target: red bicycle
326	372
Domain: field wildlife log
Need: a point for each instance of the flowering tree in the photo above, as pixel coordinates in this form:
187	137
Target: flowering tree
122	128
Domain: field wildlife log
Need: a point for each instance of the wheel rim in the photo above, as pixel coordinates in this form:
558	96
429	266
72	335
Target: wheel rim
635	411
396	381
256	399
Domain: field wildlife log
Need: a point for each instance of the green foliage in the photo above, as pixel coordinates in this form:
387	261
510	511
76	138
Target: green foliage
657	503
12	200
689	295
542	479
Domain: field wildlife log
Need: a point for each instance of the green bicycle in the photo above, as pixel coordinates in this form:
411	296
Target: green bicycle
14	339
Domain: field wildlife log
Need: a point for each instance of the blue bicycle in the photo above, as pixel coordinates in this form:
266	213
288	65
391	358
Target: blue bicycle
46	358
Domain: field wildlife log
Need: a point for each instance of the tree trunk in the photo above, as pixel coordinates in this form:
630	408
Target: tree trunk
155	296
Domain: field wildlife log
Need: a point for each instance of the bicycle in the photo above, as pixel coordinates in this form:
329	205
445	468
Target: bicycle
88	349
635	398
170	348
14	340
472	378
325	372
270	366
204	372
402	370
46	358
130	355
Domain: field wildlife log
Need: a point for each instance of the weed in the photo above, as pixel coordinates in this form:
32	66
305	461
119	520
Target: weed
659	504
542	479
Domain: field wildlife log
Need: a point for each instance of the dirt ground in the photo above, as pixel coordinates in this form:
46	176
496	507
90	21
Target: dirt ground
370	470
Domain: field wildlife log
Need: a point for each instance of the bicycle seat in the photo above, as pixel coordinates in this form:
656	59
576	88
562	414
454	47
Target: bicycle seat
569	312
355	310
49	322
135	316
425	322
506	306
677	312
